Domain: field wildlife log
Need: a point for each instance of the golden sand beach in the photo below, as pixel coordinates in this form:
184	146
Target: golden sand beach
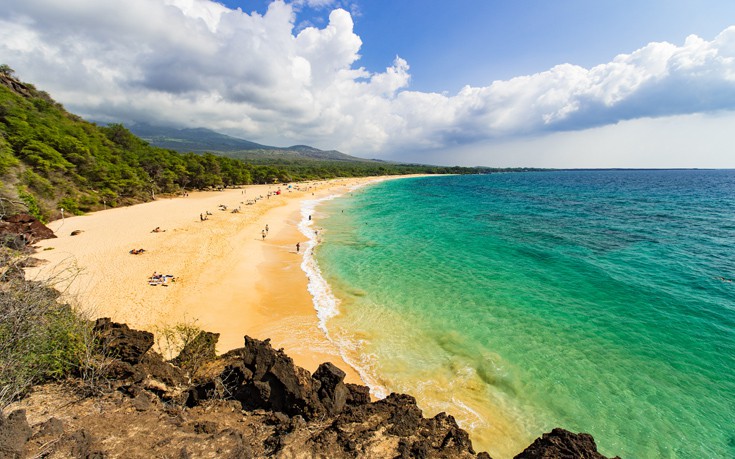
227	278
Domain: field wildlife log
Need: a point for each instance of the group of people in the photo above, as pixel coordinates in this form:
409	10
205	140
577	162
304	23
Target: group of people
264	232
160	279
250	202
157	229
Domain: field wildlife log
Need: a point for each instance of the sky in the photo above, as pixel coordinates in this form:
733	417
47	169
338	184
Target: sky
503	83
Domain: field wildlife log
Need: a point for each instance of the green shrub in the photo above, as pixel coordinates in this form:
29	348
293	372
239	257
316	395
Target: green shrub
40	339
70	205
41	185
61	351
7	160
88	202
34	208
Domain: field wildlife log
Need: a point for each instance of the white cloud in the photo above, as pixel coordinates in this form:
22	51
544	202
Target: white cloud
198	63
682	141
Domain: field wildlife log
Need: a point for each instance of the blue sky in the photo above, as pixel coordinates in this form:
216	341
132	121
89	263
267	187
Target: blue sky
452	44
500	83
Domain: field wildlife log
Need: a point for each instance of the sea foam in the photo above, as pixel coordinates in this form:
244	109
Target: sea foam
325	302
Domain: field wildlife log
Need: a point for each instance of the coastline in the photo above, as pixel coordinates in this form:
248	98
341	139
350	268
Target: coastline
228	279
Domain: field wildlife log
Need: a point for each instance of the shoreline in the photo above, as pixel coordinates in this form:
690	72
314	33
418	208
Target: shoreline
228	279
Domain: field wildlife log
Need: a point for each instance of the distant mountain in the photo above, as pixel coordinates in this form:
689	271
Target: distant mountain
201	140
197	140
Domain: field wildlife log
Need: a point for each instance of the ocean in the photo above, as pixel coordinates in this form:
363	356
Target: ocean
597	301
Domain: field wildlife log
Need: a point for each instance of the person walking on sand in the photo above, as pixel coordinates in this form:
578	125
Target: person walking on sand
266	229
298	247
262	233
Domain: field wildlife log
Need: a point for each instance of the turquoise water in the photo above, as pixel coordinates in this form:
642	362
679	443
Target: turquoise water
597	301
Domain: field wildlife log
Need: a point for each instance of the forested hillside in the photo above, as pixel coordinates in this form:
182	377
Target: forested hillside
52	159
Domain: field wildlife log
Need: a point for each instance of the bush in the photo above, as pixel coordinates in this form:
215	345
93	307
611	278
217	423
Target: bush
40	339
41	185
70	205
191	346
34	208
171	340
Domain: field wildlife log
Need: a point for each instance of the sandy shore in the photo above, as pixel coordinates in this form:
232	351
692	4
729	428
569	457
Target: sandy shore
229	280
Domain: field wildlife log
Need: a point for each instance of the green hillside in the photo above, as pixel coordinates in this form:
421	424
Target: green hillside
52	159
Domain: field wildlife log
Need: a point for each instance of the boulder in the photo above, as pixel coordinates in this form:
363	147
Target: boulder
393	424
277	384
82	445
20	230
332	392
201	349
14	434
121	342
16	86
562	444
52	427
358	394
261	377
161	376
225	378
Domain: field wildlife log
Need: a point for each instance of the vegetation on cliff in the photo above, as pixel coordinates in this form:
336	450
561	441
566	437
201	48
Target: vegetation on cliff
52	159
40	339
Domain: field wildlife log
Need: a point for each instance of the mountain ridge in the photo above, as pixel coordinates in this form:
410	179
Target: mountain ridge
204	140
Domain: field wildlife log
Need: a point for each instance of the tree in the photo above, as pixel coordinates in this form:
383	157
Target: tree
6	70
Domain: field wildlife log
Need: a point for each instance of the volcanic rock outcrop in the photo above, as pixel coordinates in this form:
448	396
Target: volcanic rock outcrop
19	230
252	402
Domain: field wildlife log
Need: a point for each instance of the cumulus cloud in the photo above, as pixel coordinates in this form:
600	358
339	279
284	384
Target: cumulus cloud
198	63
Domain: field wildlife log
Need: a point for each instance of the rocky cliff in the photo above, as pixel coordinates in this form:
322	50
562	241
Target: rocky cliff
252	402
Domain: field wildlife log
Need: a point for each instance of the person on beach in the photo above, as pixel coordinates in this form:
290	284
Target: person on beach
262	233
298	247
266	229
